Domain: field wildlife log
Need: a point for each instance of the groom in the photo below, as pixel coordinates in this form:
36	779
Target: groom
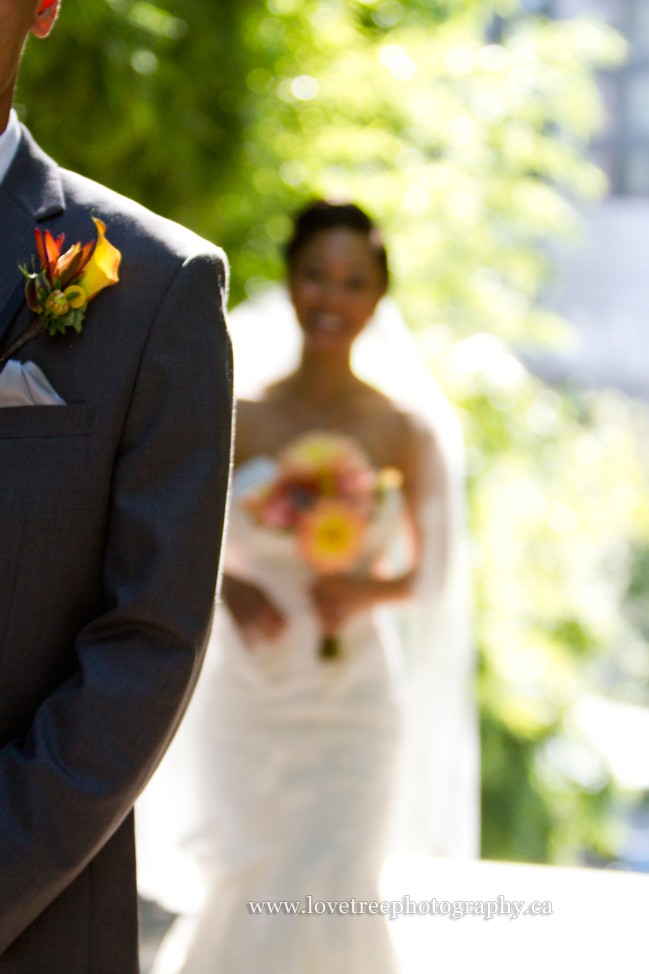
111	514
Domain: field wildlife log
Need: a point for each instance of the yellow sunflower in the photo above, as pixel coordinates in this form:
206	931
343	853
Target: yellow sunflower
330	536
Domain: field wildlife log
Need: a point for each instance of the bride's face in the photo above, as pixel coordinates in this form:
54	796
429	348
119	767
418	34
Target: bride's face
336	281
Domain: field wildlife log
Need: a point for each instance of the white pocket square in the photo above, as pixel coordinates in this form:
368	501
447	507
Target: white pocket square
25	385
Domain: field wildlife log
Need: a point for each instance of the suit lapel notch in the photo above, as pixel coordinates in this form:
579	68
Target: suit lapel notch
34	181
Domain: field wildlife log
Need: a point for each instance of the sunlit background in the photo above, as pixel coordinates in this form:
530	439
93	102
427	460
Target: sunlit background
504	147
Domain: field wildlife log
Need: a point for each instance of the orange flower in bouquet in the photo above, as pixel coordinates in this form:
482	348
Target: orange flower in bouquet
330	536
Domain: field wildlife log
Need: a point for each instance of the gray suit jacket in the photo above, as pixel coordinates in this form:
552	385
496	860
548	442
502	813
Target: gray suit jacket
111	517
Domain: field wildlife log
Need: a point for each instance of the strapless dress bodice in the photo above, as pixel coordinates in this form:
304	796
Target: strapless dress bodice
291	667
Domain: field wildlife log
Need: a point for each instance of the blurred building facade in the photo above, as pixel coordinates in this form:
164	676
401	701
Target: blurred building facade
602	286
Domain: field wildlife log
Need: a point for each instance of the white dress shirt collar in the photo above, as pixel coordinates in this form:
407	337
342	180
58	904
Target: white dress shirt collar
9	142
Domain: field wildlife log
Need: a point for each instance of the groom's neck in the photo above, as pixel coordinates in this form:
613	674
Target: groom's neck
19	18
6	101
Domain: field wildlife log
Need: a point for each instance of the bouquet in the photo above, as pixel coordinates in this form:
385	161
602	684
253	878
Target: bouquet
327	493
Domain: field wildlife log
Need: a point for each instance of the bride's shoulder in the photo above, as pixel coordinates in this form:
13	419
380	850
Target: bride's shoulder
248	408
417	453
414	429
415	438
253	413
260	428
376	406
408	428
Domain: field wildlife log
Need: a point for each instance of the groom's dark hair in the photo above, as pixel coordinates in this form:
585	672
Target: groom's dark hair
322	215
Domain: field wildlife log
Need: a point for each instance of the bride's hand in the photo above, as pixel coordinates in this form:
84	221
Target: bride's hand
252	610
337	597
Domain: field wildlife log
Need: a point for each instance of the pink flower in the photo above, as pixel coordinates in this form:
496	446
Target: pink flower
278	511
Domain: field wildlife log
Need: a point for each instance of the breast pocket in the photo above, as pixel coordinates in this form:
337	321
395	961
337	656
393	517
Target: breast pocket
27	422
44	459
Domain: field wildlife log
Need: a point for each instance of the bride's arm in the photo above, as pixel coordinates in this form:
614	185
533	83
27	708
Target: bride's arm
255	615
337	597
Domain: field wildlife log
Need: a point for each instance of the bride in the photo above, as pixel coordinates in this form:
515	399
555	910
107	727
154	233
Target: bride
280	784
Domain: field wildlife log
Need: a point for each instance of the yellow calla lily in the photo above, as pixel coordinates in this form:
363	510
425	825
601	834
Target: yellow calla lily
103	267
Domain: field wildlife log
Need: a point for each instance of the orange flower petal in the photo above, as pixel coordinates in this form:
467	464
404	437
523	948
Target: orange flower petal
51	248
66	259
40	247
330	536
52	251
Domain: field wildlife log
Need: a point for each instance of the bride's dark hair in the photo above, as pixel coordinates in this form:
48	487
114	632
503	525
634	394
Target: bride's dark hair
322	215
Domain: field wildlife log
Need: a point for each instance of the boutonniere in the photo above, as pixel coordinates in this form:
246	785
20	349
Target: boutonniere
60	291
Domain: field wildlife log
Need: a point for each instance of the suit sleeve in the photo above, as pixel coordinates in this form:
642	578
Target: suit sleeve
96	740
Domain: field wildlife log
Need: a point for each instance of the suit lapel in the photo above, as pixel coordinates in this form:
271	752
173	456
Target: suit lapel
30	193
17	245
10	312
34	181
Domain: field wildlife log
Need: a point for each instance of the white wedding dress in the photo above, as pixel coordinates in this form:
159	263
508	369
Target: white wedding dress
294	759
284	772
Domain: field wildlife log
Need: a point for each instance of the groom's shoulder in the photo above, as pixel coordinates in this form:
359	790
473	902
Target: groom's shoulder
149	242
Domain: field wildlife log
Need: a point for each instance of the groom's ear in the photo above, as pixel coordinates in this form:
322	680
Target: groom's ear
44	18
